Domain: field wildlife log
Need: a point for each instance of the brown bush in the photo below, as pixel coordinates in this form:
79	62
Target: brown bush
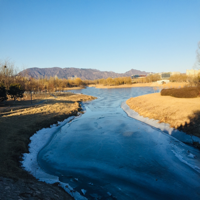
187	92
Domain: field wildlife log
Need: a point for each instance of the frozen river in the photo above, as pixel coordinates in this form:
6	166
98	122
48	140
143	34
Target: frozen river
109	155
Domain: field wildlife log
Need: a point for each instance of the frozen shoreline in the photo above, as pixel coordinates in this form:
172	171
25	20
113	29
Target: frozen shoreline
41	138
30	163
178	135
183	137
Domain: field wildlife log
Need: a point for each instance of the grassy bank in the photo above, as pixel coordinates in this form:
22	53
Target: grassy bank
154	84
20	120
180	113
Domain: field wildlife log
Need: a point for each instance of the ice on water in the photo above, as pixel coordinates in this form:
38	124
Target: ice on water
105	154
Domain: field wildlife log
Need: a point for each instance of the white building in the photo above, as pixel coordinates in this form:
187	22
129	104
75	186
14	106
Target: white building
167	75
192	72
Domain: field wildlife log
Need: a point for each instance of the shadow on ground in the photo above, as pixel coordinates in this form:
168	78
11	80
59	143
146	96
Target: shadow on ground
18	122
14	138
192	128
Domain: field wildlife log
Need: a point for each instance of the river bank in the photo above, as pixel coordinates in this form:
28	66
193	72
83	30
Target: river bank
17	125
180	113
154	84
74	88
105	143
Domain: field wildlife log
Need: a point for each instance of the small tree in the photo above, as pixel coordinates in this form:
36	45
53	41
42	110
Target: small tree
15	91
78	82
3	95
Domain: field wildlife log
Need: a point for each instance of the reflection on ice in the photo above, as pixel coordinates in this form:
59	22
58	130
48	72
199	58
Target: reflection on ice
105	154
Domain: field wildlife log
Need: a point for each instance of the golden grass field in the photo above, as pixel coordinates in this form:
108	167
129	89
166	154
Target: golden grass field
171	110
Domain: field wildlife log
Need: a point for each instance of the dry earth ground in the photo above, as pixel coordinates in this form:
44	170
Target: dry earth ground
17	124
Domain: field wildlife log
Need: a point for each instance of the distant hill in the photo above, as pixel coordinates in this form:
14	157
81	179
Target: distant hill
90	74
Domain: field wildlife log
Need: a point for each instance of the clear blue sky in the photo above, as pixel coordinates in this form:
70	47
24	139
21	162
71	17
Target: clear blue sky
111	35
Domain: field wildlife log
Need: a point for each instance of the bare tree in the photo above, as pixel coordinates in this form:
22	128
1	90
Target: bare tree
7	68
198	55
7	72
197	62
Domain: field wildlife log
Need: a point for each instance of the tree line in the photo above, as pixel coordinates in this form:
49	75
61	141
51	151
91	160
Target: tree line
14	85
192	80
113	81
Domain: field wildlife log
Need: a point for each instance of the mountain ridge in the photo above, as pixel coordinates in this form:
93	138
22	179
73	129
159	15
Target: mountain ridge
83	73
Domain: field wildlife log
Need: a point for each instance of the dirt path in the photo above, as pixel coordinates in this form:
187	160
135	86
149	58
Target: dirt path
17	124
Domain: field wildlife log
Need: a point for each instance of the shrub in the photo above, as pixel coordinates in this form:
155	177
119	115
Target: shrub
3	95
187	92
15	91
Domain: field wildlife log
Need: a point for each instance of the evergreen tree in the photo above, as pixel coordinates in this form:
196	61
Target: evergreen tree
3	95
15	91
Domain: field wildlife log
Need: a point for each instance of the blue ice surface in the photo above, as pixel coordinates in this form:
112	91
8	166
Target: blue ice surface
109	155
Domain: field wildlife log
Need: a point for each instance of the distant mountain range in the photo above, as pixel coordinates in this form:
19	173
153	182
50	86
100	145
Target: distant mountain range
89	74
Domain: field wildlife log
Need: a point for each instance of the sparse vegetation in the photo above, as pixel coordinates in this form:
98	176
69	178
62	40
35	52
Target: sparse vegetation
194	81
147	79
179	78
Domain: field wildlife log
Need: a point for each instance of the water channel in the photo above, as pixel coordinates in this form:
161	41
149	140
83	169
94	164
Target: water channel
113	156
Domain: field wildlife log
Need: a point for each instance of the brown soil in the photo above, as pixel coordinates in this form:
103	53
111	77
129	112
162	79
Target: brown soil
21	120
155	84
181	113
